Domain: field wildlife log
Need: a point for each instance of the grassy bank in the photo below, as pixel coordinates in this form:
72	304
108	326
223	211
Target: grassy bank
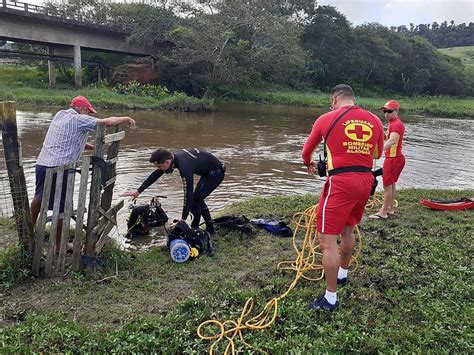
438	106
412	292
29	85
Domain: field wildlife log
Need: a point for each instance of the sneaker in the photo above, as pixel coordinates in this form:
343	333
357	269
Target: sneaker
342	281
322	303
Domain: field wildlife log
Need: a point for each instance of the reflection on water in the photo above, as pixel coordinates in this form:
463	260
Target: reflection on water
261	147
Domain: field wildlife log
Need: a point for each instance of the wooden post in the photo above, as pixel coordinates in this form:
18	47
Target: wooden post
55	220
41	222
81	207
16	174
95	193
112	153
70	171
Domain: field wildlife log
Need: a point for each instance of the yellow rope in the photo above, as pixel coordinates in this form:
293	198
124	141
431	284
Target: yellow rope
377	200
305	267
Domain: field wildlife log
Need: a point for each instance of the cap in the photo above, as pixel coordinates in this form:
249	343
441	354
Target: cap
391	105
81	101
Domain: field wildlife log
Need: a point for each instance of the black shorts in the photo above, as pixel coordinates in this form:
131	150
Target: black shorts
40	172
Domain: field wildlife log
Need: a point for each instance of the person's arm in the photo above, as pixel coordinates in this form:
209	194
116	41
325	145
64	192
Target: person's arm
118	120
392	139
89	146
378	151
310	145
146	184
188	195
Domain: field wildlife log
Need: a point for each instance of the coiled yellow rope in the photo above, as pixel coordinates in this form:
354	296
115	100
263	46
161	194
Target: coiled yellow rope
305	266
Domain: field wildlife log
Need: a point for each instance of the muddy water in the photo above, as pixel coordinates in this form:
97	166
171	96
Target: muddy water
260	146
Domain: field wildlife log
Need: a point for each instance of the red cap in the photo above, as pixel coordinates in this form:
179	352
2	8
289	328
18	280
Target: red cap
81	101
391	105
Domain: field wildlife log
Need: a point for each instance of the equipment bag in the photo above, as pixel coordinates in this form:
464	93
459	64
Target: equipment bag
144	217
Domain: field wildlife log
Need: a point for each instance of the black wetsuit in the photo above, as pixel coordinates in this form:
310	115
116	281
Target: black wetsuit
189	162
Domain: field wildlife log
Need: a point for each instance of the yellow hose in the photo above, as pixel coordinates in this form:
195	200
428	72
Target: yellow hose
305	266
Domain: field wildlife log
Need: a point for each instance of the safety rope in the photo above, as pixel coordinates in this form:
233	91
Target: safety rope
377	200
305	266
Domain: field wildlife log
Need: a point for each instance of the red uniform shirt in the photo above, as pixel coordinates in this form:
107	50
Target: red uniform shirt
355	140
395	125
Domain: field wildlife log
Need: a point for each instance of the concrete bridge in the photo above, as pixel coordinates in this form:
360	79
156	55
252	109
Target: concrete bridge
64	34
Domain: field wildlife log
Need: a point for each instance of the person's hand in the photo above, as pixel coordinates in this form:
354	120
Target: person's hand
133	194
311	168
131	123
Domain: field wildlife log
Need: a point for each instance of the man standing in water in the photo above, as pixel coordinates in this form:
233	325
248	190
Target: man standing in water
64	143
352	138
394	158
189	162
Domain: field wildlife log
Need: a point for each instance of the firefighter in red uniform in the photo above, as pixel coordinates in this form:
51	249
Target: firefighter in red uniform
353	137
394	159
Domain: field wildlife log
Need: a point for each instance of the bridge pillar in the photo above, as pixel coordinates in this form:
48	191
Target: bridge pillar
77	66
51	68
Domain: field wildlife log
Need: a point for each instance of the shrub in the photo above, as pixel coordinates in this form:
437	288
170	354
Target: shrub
137	89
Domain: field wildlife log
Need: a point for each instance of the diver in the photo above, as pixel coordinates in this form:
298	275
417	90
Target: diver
189	162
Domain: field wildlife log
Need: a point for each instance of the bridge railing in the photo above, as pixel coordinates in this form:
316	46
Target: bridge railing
43	10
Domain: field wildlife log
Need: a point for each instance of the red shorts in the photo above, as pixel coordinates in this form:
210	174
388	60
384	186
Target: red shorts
343	201
392	168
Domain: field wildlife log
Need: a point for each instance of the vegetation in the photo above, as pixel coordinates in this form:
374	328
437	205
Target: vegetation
412	292
441	35
156	97
466	54
27	84
437	106
203	46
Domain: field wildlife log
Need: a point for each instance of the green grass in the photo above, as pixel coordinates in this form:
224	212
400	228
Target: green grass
412	292
466	54
29	85
440	106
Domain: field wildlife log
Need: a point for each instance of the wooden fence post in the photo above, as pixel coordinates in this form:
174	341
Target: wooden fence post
95	193
16	175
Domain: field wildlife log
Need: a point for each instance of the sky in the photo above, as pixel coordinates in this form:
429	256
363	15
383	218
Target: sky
403	12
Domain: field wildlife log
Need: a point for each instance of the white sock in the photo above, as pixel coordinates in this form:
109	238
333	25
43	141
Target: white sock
342	273
331	297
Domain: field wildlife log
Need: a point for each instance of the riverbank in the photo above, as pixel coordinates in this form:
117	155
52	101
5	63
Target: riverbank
29	85
437	106
410	294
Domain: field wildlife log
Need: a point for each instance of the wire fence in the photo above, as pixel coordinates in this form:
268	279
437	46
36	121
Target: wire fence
8	234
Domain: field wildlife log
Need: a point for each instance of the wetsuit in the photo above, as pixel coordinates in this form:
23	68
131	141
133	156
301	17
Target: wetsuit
190	162
394	159
355	139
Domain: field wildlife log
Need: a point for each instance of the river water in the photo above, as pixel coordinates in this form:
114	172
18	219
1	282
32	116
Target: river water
261	147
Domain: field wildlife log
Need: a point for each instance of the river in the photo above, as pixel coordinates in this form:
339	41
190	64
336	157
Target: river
261	147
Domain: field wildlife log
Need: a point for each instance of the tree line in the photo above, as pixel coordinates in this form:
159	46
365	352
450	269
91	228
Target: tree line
207	47
441	35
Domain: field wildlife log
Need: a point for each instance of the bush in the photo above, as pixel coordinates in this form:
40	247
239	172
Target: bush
137	89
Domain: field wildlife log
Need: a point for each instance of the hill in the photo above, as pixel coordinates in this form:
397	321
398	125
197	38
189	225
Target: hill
466	54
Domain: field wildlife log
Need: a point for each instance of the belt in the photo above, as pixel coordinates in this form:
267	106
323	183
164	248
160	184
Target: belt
349	169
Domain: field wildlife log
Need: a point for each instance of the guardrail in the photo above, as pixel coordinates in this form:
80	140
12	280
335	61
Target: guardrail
48	11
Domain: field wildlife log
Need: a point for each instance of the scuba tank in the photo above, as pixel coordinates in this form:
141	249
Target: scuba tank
185	242
180	250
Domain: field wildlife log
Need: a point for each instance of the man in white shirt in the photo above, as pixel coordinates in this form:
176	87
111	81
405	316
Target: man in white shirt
64	143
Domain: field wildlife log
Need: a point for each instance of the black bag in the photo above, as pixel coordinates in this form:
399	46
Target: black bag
144	217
